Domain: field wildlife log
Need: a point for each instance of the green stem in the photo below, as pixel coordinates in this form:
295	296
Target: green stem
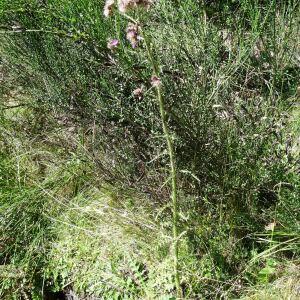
174	197
173	171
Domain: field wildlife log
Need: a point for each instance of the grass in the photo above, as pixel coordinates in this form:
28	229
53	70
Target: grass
284	287
84	188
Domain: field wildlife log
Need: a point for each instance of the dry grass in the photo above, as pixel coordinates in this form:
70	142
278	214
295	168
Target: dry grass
286	287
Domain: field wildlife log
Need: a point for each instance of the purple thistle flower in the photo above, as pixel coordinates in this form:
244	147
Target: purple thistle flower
138	92
132	34
125	5
155	81
112	44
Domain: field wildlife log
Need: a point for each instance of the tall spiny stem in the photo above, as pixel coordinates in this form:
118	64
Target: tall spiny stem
173	171
170	146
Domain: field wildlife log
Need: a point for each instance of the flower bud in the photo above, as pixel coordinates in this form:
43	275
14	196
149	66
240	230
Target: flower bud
108	8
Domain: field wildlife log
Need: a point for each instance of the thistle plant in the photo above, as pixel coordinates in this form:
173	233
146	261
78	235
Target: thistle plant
135	35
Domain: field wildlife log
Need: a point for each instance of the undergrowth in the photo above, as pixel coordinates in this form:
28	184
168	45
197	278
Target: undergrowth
84	187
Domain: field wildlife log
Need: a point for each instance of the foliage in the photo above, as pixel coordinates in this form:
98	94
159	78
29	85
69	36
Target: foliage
84	201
